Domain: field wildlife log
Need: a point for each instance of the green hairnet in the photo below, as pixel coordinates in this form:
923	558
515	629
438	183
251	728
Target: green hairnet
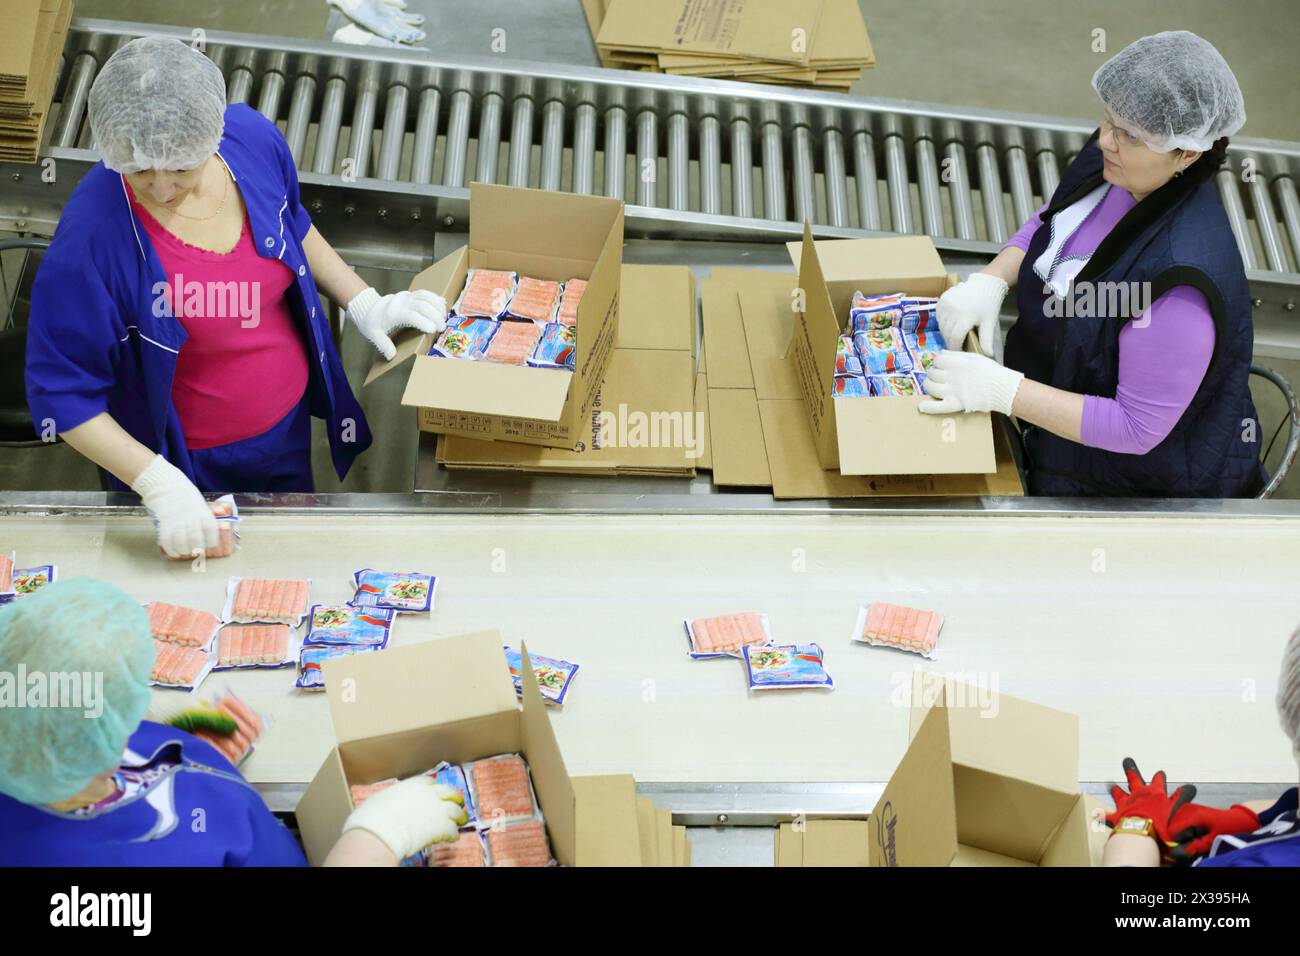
75	659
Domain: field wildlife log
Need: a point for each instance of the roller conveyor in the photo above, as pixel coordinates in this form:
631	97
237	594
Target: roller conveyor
396	122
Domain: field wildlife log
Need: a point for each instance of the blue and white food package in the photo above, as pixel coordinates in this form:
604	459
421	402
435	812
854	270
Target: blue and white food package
30	580
786	667
553	676
393	590
343	625
313	656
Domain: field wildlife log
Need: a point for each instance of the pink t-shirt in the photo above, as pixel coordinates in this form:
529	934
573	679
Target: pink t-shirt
244	366
1163	354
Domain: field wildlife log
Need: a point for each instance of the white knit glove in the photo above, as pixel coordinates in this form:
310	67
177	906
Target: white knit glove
384	19
186	526
379	316
410	815
965	382
972	304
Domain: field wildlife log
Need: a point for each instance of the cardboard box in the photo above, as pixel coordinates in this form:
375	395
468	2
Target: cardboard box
542	234
823	843
976	790
880	435
748	29
758	424
644	419
400	711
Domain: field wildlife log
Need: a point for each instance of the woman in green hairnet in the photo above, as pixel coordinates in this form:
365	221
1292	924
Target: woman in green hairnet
86	780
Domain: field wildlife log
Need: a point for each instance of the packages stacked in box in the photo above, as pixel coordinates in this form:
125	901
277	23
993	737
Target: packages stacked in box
30	52
890	343
515	320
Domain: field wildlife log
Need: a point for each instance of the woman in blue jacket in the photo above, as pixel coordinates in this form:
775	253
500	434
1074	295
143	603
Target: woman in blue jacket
85	781
174	386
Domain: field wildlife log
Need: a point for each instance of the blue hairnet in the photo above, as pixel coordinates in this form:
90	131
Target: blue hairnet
157	104
88	645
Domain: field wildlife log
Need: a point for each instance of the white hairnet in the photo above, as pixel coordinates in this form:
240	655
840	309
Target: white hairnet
157	104
88	646
1174	89
1288	693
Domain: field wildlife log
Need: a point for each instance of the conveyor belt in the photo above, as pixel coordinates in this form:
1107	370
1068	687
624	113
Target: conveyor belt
391	139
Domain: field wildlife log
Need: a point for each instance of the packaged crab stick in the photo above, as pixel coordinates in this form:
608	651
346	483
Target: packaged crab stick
7	574
846	357
486	295
557	347
467	850
881	624
181	625
924	347
875	311
535	300
513	343
227	515
786	667
501	789
393	590
29	580
313	656
266	601
464	338
553	676
893	386
347	626
569	299
919	314
882	352
255	645
851	386
179	666
724	636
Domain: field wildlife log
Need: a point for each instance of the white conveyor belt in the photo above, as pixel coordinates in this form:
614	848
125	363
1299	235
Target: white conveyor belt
1163	633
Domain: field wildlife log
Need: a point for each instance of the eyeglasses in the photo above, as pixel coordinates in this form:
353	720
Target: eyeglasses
1122	136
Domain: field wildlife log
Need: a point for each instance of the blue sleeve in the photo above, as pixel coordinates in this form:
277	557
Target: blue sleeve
74	337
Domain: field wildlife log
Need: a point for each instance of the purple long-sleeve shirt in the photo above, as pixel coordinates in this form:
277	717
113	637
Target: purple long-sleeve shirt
1162	356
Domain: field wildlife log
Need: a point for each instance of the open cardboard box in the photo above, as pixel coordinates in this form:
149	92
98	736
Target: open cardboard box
399	711
884	435
983	783
535	233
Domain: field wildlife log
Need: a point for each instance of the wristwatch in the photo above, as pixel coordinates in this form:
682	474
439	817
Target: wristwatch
1136	826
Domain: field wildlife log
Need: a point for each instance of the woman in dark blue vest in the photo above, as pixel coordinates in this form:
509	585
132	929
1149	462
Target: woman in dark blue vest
1128	367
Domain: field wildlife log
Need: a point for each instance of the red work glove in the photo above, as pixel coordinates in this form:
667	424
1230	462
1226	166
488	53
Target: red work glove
1148	800
1195	828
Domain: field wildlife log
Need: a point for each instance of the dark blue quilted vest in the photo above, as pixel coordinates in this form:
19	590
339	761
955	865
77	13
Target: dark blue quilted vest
1179	235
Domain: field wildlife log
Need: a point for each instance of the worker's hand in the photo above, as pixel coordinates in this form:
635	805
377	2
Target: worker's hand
973	304
1151	801
1195	827
379	316
410	815
966	382
383	18
186	525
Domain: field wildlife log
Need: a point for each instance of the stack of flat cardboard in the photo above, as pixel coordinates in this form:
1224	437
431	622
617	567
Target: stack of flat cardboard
30	47
810	43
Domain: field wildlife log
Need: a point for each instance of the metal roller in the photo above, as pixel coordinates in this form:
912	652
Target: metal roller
1287	199
615	151
900	193
864	179
584	144
769	133
327	129
552	141
240	85
74	101
268	104
394	133
1049	174
300	107
833	175
426	135
1022	193
1237	217
742	166
679	159
1266	222
711	165
491	107
364	107
803	175
927	183
986	158
957	174
457	139
521	138
647	156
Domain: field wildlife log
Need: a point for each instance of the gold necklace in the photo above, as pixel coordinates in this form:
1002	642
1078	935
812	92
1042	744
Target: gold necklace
220	206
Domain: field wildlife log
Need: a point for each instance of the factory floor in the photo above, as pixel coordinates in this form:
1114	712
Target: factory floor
1014	55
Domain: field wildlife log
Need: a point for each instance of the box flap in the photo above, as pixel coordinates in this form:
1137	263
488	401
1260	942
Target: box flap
579	225
323	808
769	323
406	688
443	277
1002	734
824	843
917	445
736	439
551	780
648	830
873	266
656	308
727	357
914	822
607	815
487	388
